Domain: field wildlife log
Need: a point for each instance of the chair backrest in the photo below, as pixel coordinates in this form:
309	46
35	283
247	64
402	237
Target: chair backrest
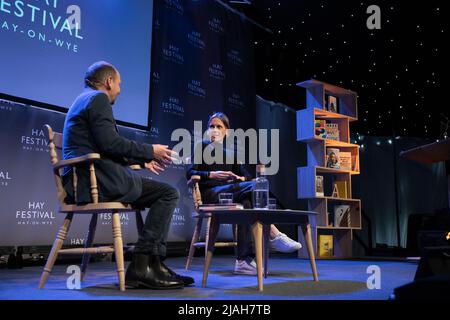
196	194
54	143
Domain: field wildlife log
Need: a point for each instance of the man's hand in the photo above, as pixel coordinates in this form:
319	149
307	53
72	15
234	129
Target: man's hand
163	155
155	167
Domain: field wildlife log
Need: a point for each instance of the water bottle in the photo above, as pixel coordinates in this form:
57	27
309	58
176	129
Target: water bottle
261	192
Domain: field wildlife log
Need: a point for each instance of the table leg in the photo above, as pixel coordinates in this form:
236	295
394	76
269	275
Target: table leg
212	235
308	238
266	249
257	232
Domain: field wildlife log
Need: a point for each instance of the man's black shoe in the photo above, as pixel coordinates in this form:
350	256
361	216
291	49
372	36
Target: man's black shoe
145	271
169	272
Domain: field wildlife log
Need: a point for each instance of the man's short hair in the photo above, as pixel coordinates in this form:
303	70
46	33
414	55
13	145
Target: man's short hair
97	74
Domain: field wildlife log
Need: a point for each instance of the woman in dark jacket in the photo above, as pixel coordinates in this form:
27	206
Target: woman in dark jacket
232	177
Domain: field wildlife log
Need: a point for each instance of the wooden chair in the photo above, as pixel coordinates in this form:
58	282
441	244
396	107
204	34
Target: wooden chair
93	208
195	242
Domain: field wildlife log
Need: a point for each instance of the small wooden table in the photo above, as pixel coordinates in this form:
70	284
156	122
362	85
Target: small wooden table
259	219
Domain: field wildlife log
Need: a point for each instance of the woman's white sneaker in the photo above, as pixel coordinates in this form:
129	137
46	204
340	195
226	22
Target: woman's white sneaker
282	243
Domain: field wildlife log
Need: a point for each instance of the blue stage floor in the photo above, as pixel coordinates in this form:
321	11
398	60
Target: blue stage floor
289	278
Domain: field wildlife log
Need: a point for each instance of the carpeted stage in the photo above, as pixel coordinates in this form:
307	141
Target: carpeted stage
289	278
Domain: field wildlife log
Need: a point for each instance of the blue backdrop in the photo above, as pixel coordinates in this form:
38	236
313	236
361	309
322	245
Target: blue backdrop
202	61
48	45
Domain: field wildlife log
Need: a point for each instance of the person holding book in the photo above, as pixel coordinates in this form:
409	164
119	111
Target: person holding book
232	177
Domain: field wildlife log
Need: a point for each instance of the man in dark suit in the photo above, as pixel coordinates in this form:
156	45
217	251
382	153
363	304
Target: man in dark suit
91	128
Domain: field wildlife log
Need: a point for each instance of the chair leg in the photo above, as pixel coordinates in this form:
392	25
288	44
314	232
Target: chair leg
309	244
88	244
57	245
212	235
195	238
207	231
257	232
118	249
139	222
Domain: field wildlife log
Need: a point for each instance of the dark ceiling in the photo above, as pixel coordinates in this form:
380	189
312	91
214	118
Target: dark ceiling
397	71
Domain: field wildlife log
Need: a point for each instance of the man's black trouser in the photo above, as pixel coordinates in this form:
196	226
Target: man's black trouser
162	199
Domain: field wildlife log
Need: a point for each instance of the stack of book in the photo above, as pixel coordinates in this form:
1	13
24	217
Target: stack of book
217	206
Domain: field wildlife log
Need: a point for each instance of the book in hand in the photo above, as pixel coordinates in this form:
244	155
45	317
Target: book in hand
218	206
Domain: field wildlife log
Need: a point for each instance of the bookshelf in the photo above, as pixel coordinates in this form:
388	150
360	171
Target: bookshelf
316	126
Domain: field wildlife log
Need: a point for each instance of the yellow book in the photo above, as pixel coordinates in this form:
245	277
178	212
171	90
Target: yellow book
325	246
342	189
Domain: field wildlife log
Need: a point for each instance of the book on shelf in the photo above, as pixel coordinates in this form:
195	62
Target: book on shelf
332	158
342	189
346	160
355	164
217	206
325	245
332	131
342	215
331	103
330	219
319	129
319	186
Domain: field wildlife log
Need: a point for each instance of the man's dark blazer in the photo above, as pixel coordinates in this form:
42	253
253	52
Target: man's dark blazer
90	128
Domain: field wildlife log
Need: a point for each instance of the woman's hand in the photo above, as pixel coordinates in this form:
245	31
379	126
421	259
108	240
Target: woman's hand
236	178
227	176
221	175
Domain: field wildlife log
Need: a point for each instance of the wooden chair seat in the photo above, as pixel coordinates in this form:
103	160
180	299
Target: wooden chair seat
94	208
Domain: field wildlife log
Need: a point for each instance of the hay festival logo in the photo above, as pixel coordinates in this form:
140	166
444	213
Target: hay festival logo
5	178
36	141
35	214
46	21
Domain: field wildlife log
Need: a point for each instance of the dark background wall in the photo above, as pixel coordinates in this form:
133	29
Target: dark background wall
203	61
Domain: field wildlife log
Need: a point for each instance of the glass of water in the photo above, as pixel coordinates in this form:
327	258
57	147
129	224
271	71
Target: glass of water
272	203
225	198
